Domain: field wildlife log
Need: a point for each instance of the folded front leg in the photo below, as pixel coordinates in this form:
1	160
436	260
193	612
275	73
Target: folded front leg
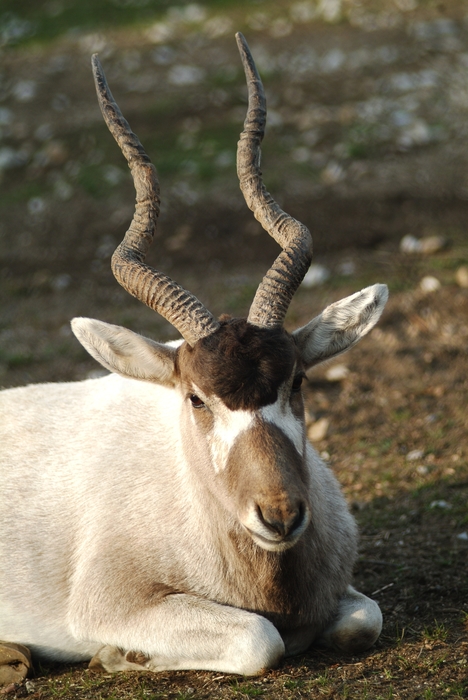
357	624
186	632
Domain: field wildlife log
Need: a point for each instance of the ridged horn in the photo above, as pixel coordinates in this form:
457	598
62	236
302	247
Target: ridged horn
158	291
277	288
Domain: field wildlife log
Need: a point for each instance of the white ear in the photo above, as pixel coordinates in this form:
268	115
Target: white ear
125	352
341	325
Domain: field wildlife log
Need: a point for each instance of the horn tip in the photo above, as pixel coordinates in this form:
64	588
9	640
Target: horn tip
241	42
96	65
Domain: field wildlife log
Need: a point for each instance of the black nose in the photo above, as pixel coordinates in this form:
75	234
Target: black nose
282	521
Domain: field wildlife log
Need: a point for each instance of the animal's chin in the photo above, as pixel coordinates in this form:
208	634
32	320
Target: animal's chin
272	545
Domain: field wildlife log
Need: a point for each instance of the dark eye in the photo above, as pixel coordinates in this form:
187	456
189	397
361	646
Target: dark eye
297	382
196	401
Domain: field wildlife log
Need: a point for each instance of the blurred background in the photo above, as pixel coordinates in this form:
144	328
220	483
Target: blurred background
367	143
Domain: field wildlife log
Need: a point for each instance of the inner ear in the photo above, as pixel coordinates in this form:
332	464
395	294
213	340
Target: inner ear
124	352
341	325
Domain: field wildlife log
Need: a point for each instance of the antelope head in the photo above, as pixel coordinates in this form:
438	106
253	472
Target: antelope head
242	418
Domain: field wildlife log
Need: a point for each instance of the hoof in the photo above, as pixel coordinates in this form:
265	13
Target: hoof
15	663
112	659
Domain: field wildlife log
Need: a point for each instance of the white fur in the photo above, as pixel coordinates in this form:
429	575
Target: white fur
341	325
281	415
358	617
228	426
109	487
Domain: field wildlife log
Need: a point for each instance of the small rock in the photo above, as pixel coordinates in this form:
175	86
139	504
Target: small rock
333	173
415	134
427	245
337	373
429	284
461	276
6	116
330	10
9	158
36	205
300	154
318	430
25	90
422	470
182	75
414	455
160	32
432	244
441	504
346	268
315	276
10	688
332	60
463	536
61	282
410	245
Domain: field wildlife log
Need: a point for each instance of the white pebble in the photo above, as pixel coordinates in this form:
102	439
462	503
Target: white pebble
463	536
426	246
461	276
429	284
432	244
61	282
337	373
36	205
315	276
25	90
414	455
182	75
318	430
346	268
333	173
409	244
6	116
441	504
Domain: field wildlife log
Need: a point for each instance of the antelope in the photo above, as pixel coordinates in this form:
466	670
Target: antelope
172	515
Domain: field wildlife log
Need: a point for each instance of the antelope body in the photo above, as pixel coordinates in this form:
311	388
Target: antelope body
172	515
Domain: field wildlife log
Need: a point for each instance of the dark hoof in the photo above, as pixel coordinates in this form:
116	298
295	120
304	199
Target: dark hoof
15	663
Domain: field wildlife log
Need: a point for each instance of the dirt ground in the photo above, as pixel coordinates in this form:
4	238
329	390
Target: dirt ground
364	148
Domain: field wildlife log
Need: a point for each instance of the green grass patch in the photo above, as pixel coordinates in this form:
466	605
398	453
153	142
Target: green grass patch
435	633
248	690
15	359
26	21
16	191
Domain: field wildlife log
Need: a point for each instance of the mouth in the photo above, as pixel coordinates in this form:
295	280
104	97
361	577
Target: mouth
274	535
272	544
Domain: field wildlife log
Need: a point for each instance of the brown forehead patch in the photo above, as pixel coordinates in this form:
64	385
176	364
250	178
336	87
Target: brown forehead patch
242	364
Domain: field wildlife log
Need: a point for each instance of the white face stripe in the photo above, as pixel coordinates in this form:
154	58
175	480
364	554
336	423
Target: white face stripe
227	428
228	425
282	416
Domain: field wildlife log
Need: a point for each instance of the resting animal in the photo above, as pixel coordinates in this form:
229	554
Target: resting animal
172	515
